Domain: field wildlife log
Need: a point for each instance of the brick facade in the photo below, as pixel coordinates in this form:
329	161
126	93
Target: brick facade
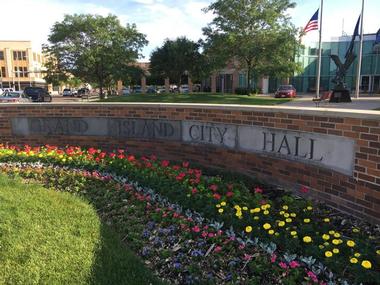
358	195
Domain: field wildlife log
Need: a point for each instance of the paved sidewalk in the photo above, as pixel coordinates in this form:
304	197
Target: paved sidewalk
362	103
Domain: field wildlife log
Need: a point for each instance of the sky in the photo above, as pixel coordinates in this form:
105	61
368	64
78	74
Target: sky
161	19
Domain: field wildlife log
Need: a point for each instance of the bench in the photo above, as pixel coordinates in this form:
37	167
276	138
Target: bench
324	98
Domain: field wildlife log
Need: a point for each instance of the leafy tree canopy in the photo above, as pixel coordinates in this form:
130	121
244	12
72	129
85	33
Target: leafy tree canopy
257	34
93	48
176	58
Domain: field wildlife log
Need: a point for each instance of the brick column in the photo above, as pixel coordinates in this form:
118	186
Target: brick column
235	80
213	83
190	83
119	87
143	84
167	85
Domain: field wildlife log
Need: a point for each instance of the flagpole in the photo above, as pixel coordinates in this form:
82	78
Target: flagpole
319	51
357	87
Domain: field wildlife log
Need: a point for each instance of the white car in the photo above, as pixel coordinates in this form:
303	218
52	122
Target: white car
5	90
184	88
14	97
125	91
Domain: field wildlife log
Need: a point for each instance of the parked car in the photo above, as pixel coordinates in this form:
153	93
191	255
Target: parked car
184	88
5	90
125	91
151	90
285	91
136	89
161	90
67	92
14	97
83	91
38	94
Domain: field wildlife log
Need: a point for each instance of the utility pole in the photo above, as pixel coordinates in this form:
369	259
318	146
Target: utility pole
358	70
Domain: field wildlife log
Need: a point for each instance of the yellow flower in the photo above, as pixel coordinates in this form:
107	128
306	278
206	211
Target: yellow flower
335	241
276	234
70	158
306	221
248	229
282	212
326	243
285	207
354	260
267	226
220	211
355	230
335	250
337	235
288	220
256	210
286	215
321	246
271	232
325	237
328	253
266	212
307	239
357	254
256	218
293	233
281	223
366	264
223	203
378	251
293	214
331	232
309	208
237	207
217	205
326	220
350	243
63	159
245	208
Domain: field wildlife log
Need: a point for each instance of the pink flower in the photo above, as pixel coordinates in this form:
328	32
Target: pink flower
247	257
210	235
283	265
229	194
165	163
304	189
213	187
131	158
273	258
294	264
176	167
185	164
196	229
241	246
258	190
218	249
204	234
180	176
312	276
194	190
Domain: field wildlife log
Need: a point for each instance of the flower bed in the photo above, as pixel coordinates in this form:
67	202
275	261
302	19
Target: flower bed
192	244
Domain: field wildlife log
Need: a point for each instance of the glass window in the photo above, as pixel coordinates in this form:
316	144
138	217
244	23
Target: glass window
25	71
1	55
14	55
3	73
24	55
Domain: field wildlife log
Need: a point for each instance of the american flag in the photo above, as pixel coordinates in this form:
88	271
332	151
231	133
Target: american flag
312	24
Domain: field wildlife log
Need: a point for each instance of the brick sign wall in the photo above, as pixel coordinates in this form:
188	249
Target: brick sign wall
336	154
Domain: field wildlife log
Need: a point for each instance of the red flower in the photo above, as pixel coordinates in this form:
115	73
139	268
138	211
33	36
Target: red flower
283	265
304	189
273	258
180	176
92	151
194	190
176	167
112	155
229	194
153	157
294	264
165	163
217	196
218	249
131	158
258	190
185	164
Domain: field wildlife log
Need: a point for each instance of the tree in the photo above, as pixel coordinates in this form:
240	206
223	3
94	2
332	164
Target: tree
93	48
257	34
176	58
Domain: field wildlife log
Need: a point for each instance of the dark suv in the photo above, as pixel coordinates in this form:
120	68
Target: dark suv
38	94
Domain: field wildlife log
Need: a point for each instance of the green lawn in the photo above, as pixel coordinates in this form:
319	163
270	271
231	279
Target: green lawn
198	98
47	237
